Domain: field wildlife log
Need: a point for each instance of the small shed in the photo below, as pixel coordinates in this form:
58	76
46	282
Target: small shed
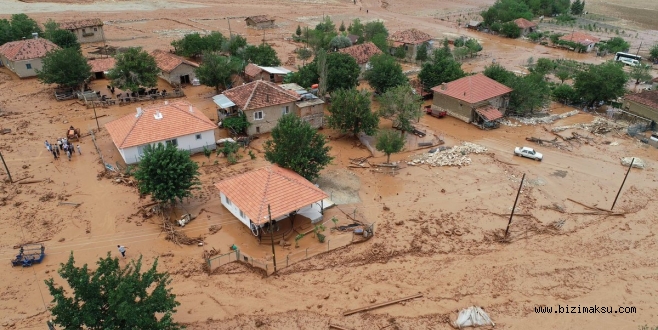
260	21
174	69
254	72
100	66
474	25
525	25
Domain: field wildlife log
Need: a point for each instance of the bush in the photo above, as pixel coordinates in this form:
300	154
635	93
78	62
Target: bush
510	30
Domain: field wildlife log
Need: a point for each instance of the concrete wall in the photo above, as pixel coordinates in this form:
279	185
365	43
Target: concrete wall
277	78
314	115
90	34
188	142
261	25
228	204
641	110
173	77
270	118
20	67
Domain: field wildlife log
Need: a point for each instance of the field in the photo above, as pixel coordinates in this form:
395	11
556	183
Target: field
438	229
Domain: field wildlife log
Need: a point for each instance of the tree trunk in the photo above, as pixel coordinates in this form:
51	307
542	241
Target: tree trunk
388	158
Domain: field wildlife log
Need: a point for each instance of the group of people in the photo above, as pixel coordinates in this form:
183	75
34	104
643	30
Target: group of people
65	146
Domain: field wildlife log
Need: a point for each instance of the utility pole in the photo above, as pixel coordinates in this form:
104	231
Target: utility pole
514	207
229	27
7	168
622	183
272	236
95	115
638	48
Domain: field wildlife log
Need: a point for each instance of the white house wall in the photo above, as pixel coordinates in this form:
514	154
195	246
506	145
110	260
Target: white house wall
187	142
234	210
20	67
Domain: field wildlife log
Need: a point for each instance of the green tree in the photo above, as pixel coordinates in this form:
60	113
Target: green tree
498	73
381	42
564	93
191	45
529	93
262	54
339	42
421	53
544	66
327	25
535	36
6	34
384	73
113	298
304	54
134	68
298	32
400	52
510	30
350	112
297	146
577	7
214	41
235	45
236	124
441	68
641	72
371	29
217	70
22	26
601	82
49	27
505	11
402	106
356	28
64	67
390	142
342	27
616	44
653	53
167	173
563	75
342	72
64	39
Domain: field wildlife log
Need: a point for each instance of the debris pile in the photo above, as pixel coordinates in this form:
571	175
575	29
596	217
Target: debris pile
455	156
598	126
637	162
508	123
547	119
472	317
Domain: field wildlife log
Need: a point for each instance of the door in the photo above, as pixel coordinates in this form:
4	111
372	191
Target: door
185	79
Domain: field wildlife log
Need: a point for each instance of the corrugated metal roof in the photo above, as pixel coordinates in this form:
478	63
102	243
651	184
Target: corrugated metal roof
275	70
222	101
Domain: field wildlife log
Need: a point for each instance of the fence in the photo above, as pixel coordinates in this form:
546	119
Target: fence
331	242
91	103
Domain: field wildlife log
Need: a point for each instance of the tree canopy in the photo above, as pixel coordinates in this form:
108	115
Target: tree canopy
421	52
529	93
297	146
356	28
577	7
350	112
402	106
216	70
653	53
615	44
234	45
339	42
342	72
64	67
564	93
441	68
601	82
508	10
64	39
22	26
384	73
374	28
641	72
389	142
134	69
113	298
167	173
510	30
262	54
194	44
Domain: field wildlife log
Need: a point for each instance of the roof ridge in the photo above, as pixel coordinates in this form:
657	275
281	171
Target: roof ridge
267	186
193	114
133	127
253	91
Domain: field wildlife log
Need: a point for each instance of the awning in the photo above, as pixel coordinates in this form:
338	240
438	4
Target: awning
489	113
222	101
312	212
275	70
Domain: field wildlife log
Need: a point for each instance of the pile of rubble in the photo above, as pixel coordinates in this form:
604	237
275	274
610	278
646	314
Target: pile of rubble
506	122
455	156
547	119
597	126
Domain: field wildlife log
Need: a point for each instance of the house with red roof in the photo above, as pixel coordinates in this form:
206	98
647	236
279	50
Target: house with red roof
474	99
178	123
644	104
410	40
23	57
173	68
271	194
275	74
263	102
525	25
86	30
362	54
581	38
101	66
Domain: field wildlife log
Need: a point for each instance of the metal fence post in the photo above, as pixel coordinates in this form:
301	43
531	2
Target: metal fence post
306	252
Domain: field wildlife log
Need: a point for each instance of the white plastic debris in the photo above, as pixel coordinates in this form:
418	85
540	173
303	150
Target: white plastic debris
472	317
455	156
637	163
547	119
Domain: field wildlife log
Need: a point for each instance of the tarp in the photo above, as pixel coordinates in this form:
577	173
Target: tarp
222	101
472	317
637	163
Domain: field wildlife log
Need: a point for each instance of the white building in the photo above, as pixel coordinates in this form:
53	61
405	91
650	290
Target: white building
178	123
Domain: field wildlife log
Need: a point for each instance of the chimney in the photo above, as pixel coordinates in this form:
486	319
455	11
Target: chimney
35	35
443	87
157	115
139	112
166	102
191	109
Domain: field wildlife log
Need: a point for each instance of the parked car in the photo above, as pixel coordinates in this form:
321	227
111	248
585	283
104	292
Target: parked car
654	137
528	153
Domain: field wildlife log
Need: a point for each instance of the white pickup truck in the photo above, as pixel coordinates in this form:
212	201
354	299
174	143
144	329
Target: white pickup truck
528	152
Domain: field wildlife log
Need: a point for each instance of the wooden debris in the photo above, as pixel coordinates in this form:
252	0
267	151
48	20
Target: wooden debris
339	327
374	306
69	203
361	162
516	215
176	236
32	181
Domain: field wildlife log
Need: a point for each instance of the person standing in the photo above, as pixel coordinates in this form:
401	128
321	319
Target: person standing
56	150
122	249
59	143
79	152
54	154
68	154
48	146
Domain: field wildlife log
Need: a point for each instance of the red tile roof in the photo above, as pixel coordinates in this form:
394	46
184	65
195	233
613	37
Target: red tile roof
361	53
473	89
74	25
259	94
252	70
489	113
411	36
524	23
177	120
260	19
102	64
167	61
284	190
648	98
27	49
581	38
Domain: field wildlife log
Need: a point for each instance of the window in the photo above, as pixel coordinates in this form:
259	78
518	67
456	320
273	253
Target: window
83	31
28	66
228	201
258	115
286	110
406	47
198	136
257	129
174	142
241	214
95	29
